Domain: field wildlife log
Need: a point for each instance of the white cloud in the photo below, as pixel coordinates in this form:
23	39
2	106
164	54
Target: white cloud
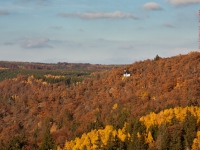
3	12
165	24
40	42
99	15
182	2
151	6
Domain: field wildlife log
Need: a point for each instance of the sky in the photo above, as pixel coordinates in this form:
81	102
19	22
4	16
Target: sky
97	31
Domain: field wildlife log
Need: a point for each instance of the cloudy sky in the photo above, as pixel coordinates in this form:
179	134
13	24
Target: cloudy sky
97	31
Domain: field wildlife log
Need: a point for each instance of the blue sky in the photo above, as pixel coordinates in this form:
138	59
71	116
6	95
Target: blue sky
97	31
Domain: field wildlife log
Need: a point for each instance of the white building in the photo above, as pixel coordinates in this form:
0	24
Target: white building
126	73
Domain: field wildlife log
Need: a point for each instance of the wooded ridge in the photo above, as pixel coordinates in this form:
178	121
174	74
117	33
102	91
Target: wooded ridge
37	113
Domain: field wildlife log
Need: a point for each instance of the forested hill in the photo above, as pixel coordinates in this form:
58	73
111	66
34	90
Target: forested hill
53	66
32	111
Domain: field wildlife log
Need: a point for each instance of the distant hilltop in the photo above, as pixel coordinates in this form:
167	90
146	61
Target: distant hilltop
54	66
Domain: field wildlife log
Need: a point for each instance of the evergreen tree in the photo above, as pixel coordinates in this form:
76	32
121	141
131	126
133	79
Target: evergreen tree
138	142
110	142
189	127
116	143
35	135
165	139
98	142
17	142
122	117
130	145
122	145
157	58
138	126
154	131
176	142
47	142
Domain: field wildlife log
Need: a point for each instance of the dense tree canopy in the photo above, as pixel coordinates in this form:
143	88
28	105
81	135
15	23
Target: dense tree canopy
104	99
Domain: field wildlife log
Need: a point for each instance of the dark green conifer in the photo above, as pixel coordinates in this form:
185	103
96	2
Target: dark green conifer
189	127
47	141
110	142
165	139
176	142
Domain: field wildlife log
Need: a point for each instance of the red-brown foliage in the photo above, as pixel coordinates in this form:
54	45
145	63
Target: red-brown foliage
153	85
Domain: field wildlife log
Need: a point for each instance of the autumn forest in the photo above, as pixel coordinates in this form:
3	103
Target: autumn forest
69	106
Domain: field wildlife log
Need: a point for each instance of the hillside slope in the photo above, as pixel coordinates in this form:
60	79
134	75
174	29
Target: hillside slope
169	129
31	107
